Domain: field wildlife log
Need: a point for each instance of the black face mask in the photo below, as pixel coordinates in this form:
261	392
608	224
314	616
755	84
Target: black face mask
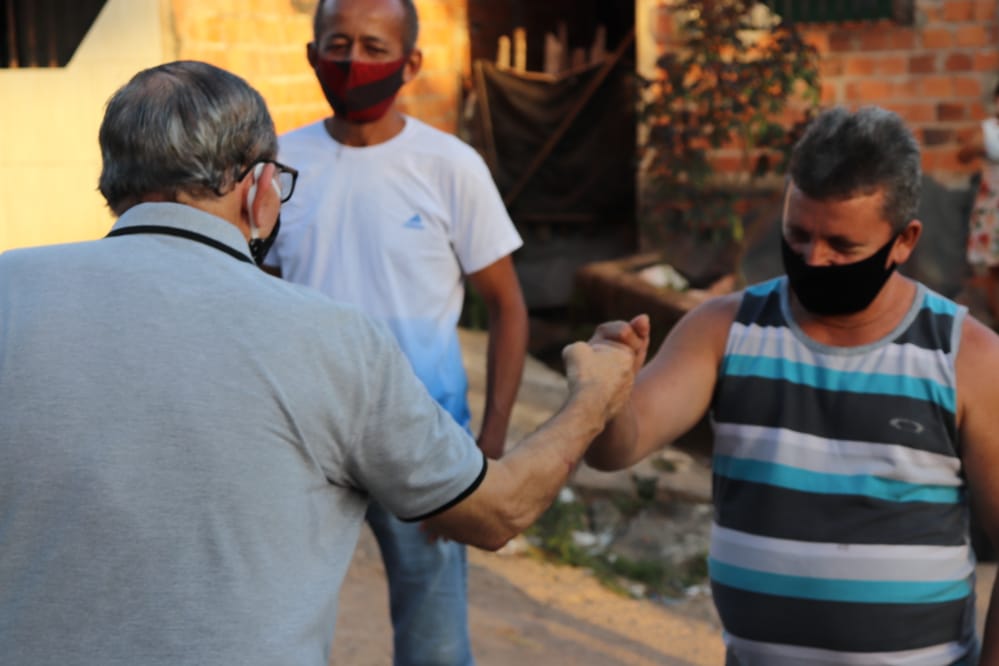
259	247
837	290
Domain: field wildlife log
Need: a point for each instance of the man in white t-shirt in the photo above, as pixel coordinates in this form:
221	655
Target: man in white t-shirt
393	215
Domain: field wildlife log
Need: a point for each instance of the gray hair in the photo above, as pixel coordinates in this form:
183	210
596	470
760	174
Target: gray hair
411	24
843	154
183	127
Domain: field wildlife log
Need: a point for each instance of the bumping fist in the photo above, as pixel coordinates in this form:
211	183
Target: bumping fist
633	334
603	371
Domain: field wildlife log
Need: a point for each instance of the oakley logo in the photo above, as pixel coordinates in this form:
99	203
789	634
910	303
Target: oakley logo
907	425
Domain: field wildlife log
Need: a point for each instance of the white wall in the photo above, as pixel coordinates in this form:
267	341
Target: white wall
49	119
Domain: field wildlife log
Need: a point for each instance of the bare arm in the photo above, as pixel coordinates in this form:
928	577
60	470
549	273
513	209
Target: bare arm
518	487
978	421
672	392
499	288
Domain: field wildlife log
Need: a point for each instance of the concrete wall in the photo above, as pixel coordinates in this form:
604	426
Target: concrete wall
50	161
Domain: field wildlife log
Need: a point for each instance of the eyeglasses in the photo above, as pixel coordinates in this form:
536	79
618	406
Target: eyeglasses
286	177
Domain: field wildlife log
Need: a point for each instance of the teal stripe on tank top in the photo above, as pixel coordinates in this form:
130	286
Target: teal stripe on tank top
826	589
793	478
939	305
838	380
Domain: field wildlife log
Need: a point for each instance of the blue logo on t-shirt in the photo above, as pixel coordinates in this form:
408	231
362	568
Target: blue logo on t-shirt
415	222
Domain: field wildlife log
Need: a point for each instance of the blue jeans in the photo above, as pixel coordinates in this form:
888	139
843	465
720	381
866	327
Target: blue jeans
427	593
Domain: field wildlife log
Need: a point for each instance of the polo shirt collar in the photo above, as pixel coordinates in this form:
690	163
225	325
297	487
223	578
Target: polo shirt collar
187	218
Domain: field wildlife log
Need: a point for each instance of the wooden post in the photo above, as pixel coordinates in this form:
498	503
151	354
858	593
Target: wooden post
553	54
520	49
599	49
503	52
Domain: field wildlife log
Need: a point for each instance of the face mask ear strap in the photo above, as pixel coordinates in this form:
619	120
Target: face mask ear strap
251	197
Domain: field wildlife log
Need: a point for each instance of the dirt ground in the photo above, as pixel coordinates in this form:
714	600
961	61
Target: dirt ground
523	611
526	612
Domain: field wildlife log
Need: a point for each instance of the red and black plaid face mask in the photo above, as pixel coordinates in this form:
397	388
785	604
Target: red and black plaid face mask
360	92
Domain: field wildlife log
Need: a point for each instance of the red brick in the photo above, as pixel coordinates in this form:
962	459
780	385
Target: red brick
958	10
949	111
892	65
931	14
986	10
935	136
902	39
830	93
874	40
923	64
913	113
906	89
921	112
986	61
841	40
967	133
937	38
959	62
967	86
859	65
940	87
868	90
831	65
971	35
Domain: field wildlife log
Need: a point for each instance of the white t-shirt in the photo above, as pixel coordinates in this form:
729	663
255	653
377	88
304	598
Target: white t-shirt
990	132
393	229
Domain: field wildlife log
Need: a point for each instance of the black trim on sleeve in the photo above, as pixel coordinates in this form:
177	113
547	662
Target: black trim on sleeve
465	493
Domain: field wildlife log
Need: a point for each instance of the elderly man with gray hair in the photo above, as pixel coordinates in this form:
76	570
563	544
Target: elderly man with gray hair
187	444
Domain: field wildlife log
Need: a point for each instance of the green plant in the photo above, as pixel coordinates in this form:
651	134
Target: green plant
553	535
739	79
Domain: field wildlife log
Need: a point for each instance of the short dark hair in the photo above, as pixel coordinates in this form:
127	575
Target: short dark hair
844	154
411	24
184	126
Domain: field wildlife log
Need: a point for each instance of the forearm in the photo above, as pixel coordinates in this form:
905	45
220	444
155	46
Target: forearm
615	447
531	475
521	485
504	369
990	640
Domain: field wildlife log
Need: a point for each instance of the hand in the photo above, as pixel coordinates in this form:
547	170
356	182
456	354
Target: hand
604	370
633	334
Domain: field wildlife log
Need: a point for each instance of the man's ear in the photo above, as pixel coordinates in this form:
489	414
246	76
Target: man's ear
413	63
907	240
311	54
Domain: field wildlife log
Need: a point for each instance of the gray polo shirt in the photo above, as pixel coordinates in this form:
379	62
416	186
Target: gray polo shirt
187	446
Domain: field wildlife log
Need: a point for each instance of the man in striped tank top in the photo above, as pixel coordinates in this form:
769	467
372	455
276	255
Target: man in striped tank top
855	414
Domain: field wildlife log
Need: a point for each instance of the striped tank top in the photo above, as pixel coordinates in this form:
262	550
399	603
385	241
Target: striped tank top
840	532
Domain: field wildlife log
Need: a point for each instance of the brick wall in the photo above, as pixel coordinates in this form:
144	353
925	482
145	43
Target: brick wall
938	73
264	42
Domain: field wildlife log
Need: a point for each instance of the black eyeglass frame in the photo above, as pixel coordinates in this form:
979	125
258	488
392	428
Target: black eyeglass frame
282	168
